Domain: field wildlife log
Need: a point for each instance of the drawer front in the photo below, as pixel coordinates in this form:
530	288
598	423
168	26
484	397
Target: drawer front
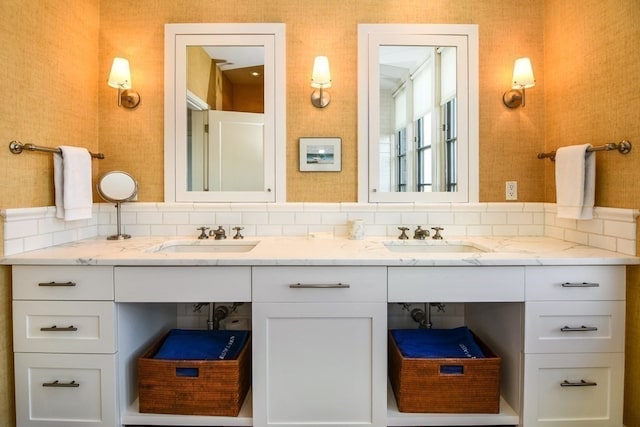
319	284
456	284
573	390
59	390
605	282
182	284
574	327
64	327
66	283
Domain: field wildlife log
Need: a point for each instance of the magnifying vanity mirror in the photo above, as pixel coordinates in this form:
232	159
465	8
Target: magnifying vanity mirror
224	113
117	187
418	113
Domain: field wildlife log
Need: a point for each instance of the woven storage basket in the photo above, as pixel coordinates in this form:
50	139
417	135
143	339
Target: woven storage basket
218	389
420	386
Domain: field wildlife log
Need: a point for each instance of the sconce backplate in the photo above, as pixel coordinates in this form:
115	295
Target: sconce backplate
130	99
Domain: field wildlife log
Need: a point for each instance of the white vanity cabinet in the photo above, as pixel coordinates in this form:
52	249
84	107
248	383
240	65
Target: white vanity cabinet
574	346
319	346
64	346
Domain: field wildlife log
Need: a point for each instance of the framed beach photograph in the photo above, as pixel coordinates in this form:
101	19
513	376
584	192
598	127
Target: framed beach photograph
320	154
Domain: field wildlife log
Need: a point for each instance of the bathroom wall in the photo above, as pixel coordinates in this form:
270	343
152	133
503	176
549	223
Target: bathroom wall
56	58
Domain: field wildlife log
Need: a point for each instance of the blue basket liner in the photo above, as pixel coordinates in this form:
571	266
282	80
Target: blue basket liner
437	343
187	344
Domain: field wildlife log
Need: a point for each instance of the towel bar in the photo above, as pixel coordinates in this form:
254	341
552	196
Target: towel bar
16	147
624	147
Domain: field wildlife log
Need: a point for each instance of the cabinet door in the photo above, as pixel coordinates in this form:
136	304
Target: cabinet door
319	364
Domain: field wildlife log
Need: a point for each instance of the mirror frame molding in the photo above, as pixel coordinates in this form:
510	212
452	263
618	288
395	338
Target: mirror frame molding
175	36
372	36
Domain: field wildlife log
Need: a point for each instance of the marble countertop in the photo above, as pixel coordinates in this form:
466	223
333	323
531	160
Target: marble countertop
321	251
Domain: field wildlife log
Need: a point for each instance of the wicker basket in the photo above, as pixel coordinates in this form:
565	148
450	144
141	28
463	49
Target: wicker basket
219	387
420	386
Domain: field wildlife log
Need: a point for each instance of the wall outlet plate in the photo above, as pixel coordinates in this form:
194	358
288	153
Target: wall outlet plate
511	190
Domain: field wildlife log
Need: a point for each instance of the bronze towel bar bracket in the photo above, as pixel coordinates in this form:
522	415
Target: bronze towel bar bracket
17	147
624	147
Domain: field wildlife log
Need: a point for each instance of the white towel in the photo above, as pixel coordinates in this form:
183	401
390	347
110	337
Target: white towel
72	182
575	182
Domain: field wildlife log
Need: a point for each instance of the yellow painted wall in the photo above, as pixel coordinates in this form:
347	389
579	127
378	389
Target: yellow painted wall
56	58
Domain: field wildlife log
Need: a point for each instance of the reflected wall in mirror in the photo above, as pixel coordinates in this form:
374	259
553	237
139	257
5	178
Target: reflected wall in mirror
418	113
224	113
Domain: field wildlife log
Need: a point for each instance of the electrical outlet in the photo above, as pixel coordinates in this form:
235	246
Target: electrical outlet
511	190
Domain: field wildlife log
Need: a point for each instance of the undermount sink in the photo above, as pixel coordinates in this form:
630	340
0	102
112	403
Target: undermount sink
204	246
432	246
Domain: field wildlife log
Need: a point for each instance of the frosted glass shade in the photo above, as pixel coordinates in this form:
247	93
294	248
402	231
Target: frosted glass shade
523	74
120	76
321	76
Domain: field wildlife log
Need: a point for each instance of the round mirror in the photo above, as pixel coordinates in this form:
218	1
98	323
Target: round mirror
117	187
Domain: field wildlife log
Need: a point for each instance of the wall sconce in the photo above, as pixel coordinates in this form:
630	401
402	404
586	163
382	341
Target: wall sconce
522	79
120	78
321	79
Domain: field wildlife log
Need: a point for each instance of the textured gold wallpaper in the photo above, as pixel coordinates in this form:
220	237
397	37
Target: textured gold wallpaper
509	140
592	90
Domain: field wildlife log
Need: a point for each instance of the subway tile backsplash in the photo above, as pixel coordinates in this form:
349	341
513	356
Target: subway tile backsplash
613	229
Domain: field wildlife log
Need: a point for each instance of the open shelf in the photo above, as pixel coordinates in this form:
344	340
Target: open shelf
506	417
132	416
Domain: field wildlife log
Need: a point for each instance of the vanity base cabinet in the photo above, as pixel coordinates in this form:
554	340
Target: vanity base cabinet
574	346
319	363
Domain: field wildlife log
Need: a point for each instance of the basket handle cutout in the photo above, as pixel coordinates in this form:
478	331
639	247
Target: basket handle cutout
187	372
451	369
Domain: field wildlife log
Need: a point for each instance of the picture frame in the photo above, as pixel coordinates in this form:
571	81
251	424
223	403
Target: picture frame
320	154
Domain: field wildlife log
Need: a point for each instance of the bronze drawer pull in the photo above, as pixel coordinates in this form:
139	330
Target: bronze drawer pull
581	383
54	328
580	285
579	329
57	383
55	284
319	286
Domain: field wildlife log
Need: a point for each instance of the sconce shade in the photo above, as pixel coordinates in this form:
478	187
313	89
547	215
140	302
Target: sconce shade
523	74
321	76
120	76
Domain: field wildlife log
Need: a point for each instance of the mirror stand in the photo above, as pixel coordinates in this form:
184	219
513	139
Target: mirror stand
118	235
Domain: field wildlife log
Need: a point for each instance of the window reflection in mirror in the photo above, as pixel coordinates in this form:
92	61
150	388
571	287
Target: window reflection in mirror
225	113
418	113
417	119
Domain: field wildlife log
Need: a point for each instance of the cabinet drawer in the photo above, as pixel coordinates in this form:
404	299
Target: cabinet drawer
43	282
64	327
574	327
456	284
319	284
604	282
58	390
182	284
574	390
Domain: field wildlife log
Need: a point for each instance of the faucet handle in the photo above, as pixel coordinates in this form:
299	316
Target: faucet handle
203	235
403	235
238	235
437	235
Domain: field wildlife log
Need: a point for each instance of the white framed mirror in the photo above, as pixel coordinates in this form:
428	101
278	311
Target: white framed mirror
225	113
418	113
